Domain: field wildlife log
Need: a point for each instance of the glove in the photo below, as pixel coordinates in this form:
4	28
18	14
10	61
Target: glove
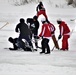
16	30
59	37
42	37
36	37
52	32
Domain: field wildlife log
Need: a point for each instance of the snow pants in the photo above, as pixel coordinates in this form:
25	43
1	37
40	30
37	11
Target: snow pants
65	42
43	13
45	45
35	34
27	38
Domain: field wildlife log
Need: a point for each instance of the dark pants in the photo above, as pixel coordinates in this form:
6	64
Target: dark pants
45	45
35	33
18	43
27	38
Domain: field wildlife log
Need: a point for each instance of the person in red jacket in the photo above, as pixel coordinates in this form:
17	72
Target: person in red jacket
65	32
41	10
46	34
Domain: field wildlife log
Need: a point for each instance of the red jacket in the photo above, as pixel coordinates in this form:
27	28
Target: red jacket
64	29
46	31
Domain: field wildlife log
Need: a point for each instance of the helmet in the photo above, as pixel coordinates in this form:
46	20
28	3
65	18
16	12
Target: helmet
59	19
43	20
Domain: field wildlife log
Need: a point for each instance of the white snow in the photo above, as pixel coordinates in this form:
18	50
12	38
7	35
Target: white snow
32	63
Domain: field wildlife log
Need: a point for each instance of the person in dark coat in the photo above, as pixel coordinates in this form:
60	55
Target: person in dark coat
24	32
34	26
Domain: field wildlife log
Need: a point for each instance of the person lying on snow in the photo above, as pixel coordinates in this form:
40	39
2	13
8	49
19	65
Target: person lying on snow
19	44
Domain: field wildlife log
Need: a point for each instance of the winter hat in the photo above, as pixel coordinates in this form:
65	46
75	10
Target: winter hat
10	39
22	20
40	2
59	19
43	20
35	17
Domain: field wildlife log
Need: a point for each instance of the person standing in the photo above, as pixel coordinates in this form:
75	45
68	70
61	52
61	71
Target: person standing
24	32
65	33
46	35
41	10
35	31
34	26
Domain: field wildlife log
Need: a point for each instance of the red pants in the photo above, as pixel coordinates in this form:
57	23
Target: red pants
42	12
65	42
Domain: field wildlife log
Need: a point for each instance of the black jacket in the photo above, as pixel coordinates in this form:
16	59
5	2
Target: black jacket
34	25
40	7
23	28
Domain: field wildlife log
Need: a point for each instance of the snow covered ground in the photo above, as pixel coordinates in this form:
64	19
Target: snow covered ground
32	63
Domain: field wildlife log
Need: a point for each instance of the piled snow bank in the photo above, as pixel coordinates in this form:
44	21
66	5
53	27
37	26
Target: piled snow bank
57	3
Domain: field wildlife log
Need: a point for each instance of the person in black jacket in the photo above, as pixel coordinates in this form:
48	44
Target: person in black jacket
41	10
24	32
34	26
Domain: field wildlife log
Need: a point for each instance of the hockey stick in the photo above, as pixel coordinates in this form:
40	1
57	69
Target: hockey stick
72	20
71	32
54	46
4	25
